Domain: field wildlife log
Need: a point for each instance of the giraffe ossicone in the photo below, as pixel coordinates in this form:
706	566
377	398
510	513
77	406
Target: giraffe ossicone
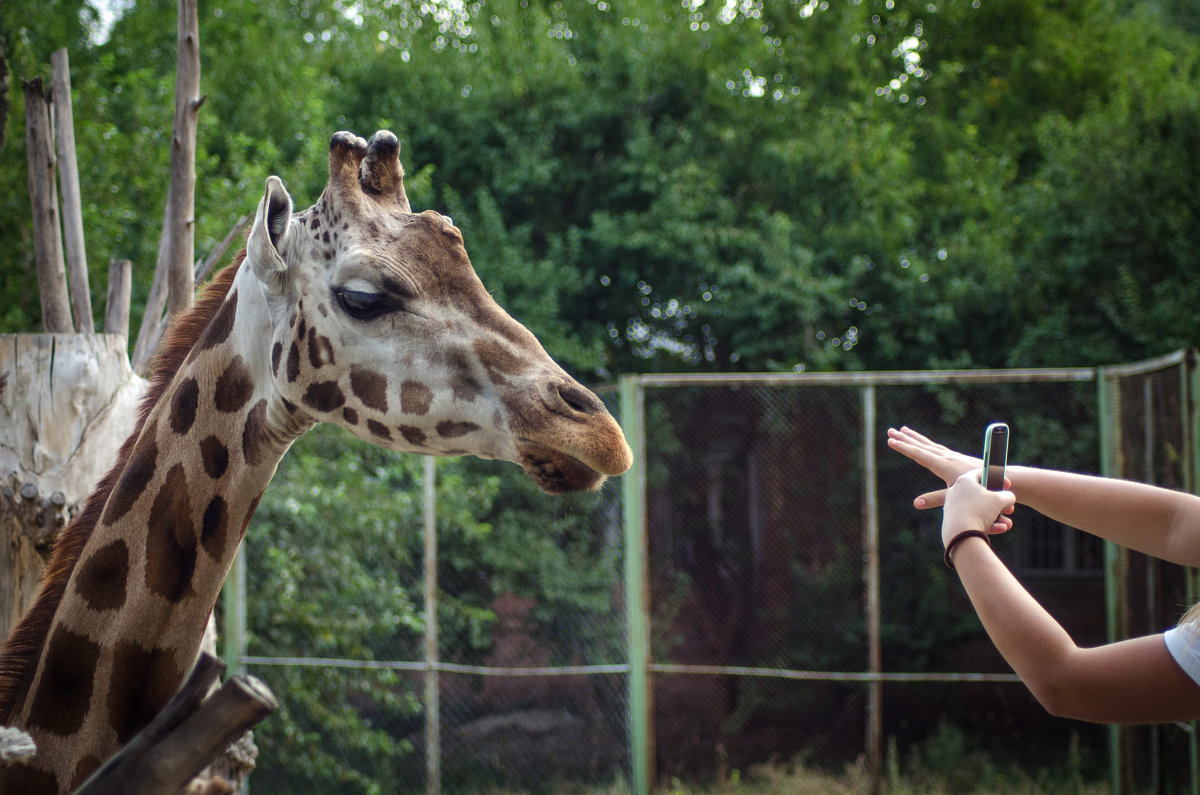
356	311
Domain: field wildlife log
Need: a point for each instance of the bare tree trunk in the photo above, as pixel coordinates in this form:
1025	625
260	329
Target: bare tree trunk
47	242
67	402
72	202
173	281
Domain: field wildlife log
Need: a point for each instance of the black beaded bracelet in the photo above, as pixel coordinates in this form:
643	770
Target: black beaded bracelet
964	534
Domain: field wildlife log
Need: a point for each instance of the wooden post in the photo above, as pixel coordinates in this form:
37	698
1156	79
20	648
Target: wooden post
116	310
181	196
72	203
47	243
173	283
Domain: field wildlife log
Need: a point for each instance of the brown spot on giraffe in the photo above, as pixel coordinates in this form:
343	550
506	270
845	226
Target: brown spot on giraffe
215	457
234	386
183	406
293	362
379	429
214	527
150	679
171	539
370	387
465	387
499	361
20	777
134	479
103	577
276	355
252	434
320	350
415	398
350	416
414	436
221	326
324	396
61	701
449	429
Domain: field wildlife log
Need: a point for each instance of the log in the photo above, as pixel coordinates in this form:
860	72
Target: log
120	285
173	283
67	402
47	242
186	736
72	201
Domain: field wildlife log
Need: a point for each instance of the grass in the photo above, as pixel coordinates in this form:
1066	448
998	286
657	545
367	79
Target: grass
944	765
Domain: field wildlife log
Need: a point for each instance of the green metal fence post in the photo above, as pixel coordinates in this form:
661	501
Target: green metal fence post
1109	438
233	624
633	500
871	575
1189	387
433	709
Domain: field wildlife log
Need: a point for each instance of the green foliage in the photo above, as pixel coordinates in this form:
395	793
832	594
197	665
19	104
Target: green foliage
335	556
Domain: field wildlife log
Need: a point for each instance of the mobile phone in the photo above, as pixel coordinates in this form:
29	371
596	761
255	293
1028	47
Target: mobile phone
995	456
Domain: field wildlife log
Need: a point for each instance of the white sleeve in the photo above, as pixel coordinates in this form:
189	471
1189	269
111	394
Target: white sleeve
1183	642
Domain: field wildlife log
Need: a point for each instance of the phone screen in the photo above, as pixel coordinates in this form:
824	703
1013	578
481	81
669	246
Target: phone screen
995	456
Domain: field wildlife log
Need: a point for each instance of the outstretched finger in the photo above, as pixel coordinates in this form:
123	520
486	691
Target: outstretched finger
932	499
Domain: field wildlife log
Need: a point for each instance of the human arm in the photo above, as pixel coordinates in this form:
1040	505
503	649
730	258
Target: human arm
1132	681
1150	519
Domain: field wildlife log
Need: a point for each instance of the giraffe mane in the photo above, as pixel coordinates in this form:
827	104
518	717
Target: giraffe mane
20	654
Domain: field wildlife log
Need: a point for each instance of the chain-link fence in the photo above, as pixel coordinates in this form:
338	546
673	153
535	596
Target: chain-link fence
759	587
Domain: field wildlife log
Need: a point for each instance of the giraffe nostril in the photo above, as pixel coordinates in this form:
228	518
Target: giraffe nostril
579	399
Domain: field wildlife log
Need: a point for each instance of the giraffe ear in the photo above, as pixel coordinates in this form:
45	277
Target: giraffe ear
264	246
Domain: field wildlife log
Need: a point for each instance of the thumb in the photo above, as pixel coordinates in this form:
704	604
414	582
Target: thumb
932	499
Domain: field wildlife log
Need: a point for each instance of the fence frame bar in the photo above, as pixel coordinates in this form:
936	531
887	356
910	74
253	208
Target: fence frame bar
433	710
633	494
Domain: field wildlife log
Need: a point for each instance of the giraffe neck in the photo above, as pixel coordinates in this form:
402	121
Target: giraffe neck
133	612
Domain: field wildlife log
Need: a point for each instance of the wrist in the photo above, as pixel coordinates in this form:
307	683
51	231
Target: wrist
958	539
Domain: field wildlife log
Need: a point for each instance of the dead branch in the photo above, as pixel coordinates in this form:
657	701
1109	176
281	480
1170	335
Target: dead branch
72	202
47	243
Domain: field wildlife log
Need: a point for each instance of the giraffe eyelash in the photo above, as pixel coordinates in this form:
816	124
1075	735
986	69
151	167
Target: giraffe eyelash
363	305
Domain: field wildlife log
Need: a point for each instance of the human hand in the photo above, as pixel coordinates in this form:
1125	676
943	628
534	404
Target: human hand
937	458
969	506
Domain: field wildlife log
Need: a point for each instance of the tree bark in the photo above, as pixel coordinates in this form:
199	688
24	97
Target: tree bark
67	402
47	242
72	202
174	284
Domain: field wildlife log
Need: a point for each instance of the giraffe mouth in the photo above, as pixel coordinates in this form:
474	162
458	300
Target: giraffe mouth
556	472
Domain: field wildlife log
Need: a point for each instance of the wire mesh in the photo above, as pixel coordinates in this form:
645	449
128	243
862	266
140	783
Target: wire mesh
760	625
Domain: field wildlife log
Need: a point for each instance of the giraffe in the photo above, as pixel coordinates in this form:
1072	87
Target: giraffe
357	312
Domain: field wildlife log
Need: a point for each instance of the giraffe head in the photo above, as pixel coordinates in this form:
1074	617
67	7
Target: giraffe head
381	325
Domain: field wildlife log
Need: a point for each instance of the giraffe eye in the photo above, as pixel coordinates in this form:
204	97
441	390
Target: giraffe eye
362	305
